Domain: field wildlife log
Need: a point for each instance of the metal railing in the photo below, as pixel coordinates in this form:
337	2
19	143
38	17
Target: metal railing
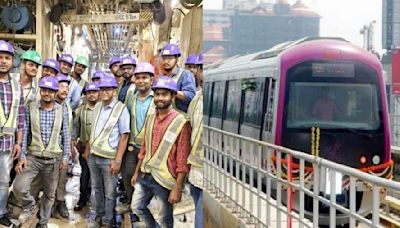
258	191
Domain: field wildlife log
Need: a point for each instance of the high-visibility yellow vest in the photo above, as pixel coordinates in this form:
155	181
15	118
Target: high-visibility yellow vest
195	113
100	145
129	93
70	117
9	125
36	147
157	164
176	78
136	136
85	118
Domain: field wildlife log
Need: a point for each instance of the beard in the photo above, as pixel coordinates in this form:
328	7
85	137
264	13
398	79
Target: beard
163	105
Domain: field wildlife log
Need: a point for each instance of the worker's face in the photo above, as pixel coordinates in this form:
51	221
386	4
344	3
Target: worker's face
62	93
47	71
115	69
163	98
106	93
127	70
92	96
65	67
6	61
143	82
47	95
192	68
169	62
30	68
79	68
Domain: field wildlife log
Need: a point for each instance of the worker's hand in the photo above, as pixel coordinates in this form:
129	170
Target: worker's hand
74	152
16	151
115	166
21	165
175	195
134	178
63	165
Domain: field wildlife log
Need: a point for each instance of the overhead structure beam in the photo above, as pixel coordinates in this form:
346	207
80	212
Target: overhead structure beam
9	36
109	18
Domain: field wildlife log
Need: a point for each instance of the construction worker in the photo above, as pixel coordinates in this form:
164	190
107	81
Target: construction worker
106	147
162	165
127	68
50	68
192	64
184	78
80	136
60	208
11	118
29	68
157	62
114	64
80	66
46	148
66	62
140	106
196	157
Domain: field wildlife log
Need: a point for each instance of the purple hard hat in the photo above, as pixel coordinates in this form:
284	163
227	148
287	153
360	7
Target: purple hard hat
165	82
49	82
200	59
171	49
92	86
128	60
63	78
6	47
113	60
144	67
191	59
97	75
107	81
66	58
52	63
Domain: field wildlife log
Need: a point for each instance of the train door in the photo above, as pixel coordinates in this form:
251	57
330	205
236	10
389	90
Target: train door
251	121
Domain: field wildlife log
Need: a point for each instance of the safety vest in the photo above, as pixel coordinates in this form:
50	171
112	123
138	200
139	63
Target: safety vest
157	164
100	145
176	78
53	149
129	93
70	117
195	113
136	136
9	125
85	118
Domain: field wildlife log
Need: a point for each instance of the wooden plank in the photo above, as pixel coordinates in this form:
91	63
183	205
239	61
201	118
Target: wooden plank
39	26
108	18
393	202
10	36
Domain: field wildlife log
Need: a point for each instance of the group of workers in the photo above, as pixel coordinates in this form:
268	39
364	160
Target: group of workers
132	122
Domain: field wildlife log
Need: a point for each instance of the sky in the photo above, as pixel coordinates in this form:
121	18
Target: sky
340	18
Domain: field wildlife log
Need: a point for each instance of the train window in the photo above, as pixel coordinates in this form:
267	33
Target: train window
218	99
233	101
207	98
253	104
333	105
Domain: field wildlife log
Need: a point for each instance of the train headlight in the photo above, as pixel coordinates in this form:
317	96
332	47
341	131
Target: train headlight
376	160
363	160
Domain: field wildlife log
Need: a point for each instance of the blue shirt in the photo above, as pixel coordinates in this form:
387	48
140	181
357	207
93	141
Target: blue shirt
124	90
142	106
122	126
46	127
187	85
74	93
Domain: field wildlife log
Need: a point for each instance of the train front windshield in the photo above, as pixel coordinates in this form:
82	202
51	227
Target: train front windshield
333	105
342	100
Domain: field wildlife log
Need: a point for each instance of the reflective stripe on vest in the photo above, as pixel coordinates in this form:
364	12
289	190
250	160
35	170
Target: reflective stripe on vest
33	93
36	147
82	83
9	125
176	78
195	112
136	136
157	164
100	145
129	93
70	118
85	118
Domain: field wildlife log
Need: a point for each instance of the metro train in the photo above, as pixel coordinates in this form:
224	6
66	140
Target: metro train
282	95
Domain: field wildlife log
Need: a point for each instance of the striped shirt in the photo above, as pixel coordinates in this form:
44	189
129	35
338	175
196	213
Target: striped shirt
7	141
46	128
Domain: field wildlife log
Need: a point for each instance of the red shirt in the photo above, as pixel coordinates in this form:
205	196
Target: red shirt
177	159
